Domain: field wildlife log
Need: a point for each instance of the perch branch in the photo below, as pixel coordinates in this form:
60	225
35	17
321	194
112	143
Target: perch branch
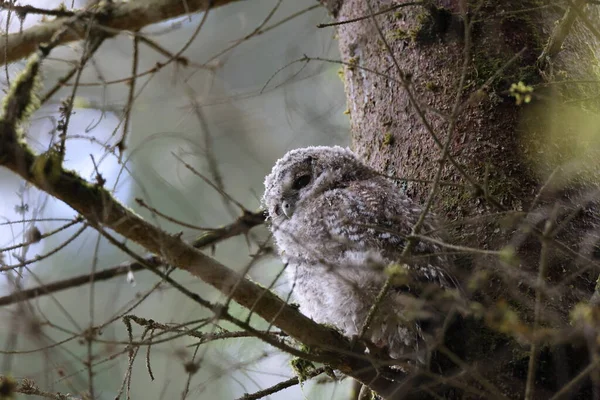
102	210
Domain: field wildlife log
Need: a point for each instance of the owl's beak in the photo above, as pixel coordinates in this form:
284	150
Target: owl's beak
288	207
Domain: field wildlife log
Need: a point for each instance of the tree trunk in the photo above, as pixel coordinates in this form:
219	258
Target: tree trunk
404	70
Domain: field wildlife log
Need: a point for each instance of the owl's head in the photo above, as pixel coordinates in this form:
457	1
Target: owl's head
304	173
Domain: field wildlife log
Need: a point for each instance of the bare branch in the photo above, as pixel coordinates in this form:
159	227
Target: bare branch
281	385
240	226
560	33
102	210
121	16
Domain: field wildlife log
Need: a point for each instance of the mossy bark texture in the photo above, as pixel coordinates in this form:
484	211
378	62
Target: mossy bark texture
499	140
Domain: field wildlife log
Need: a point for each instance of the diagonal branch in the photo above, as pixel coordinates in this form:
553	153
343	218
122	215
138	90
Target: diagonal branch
121	16
560	33
282	385
240	226
101	209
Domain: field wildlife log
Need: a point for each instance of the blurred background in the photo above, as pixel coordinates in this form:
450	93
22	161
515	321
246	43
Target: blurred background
227	113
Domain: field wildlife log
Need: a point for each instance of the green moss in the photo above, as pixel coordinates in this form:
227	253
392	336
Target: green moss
455	198
517	31
302	368
423	18
22	100
485	67
47	168
388	139
352	61
502	188
431	86
398	34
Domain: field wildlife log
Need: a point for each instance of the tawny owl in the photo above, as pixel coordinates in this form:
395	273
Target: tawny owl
339	225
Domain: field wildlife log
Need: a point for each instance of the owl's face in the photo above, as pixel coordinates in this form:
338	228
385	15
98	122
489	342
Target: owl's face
303	174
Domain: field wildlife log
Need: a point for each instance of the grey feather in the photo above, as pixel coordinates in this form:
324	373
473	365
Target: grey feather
338	224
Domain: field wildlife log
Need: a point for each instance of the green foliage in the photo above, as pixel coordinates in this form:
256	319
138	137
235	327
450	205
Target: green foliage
521	92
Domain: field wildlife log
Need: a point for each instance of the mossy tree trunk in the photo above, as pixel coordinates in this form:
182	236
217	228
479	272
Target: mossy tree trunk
404	70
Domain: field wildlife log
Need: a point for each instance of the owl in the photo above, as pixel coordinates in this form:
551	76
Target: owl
340	228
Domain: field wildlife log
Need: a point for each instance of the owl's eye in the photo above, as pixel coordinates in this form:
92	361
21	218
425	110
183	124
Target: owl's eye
301	182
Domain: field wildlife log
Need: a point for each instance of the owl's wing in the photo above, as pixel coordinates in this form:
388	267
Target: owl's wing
373	218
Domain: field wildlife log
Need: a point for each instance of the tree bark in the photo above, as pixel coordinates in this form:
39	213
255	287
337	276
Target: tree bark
402	81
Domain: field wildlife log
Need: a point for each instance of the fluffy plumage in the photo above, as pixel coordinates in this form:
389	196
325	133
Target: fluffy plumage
338	225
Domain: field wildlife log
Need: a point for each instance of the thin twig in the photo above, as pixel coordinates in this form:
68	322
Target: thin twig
29	387
543	265
27	9
384	11
240	226
209	151
94	44
560	33
217	309
219	190
576	380
122	15
55	250
153	210
261	31
472	370
282	385
42	236
158	48
121	144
